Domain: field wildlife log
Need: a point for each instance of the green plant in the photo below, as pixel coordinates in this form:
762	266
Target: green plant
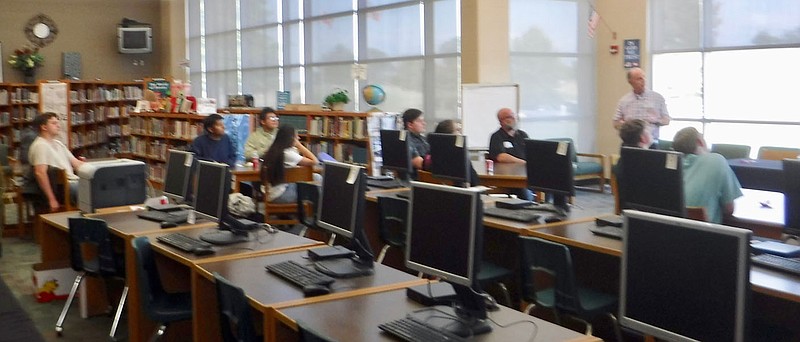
338	96
26	58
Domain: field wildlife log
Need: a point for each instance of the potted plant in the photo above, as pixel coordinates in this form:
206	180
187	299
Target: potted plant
337	99
26	60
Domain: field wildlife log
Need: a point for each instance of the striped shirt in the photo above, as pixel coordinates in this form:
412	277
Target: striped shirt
649	106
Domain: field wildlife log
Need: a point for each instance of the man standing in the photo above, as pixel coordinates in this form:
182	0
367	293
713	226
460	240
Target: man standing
214	145
47	151
642	104
507	145
708	180
260	140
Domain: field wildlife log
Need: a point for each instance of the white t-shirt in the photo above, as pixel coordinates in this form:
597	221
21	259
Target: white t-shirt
291	157
53	153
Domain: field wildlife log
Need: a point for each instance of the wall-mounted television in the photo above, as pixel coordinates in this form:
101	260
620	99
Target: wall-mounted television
135	39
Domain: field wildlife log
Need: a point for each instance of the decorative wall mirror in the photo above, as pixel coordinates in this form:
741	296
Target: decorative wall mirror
41	30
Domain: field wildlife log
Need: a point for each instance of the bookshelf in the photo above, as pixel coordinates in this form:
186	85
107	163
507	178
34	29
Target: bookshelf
19	104
153	133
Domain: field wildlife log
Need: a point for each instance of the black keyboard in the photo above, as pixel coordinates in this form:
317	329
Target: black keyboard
298	274
412	330
519	215
607	231
161	216
780	263
384	183
183	242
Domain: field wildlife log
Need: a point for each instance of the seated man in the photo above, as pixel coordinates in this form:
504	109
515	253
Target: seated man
708	181
47	151
634	133
414	123
214	145
507	145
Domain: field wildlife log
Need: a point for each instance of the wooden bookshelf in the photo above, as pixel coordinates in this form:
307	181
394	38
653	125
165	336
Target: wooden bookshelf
19	104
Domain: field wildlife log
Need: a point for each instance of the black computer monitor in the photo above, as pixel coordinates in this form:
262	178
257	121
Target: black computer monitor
212	188
652	182
396	153
449	157
177	181
684	279
444	239
550	170
791	196
341	211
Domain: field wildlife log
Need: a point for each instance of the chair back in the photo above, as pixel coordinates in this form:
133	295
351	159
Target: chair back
392	222
307	198
778	153
91	249
235	320
665	145
292	175
307	334
150	288
540	255
731	151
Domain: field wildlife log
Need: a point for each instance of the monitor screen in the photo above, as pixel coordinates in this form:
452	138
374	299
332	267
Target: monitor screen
791	196
135	39
212	190
549	166
684	279
178	174
653	181
396	152
449	156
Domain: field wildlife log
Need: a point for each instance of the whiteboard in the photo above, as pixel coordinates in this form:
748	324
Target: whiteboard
479	106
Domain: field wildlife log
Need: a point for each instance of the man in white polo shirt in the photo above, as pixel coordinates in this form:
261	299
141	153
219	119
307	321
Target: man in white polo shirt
47	151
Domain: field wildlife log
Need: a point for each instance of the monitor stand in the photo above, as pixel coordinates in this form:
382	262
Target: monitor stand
343	267
224	237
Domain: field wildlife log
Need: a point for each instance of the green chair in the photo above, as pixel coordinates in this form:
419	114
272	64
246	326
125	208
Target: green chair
665	145
593	168
731	151
235	320
564	296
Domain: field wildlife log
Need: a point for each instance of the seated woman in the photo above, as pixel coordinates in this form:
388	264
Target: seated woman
285	151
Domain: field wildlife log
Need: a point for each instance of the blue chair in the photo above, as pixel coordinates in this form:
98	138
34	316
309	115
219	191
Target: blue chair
235	320
564	296
160	306
731	151
101	261
393	213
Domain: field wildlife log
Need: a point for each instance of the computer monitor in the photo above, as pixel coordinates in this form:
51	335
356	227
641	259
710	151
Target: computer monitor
212	188
177	181
444	239
341	211
396	153
791	196
653	181
550	170
684	279
449	157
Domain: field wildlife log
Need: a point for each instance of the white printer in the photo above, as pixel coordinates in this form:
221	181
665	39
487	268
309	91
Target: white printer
111	183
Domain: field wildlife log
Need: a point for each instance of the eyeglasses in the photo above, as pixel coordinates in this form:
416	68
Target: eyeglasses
273	118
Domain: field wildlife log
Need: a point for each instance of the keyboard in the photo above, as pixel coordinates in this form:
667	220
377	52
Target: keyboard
780	263
384	183
607	231
183	242
160	216
519	215
298	274
412	330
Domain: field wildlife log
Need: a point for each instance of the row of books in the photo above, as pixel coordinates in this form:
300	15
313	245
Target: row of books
338	127
154	149
348	153
99	114
156	172
19	95
100	94
18	114
91	137
165	127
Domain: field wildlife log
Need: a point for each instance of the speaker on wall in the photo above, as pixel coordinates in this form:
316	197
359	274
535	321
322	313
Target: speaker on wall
72	65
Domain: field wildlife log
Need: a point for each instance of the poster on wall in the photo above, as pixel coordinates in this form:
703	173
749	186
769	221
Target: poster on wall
53	98
632	53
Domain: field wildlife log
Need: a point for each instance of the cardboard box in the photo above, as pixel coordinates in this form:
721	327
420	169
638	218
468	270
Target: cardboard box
52	280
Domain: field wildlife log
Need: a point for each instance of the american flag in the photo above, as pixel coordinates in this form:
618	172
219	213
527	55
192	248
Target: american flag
594	19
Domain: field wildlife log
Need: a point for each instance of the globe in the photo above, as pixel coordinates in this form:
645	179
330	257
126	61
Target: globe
373	94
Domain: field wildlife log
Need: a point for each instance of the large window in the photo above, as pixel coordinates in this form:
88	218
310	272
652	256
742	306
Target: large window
552	59
729	68
309	47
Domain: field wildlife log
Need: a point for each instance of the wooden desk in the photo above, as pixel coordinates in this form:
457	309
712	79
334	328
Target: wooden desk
244	174
759	174
267	292
364	313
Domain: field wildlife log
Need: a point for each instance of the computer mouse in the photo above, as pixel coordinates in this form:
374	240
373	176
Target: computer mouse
315	290
553	218
203	251
166	224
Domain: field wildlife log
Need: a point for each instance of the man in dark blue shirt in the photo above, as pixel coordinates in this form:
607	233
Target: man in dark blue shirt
214	144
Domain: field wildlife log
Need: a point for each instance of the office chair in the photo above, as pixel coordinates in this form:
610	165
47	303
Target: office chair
665	145
392	226
92	254
160	306
778	153
731	151
235	320
565	296
307	198
584	170
309	335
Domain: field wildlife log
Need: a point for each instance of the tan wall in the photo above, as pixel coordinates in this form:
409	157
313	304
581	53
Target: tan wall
628	19
89	28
